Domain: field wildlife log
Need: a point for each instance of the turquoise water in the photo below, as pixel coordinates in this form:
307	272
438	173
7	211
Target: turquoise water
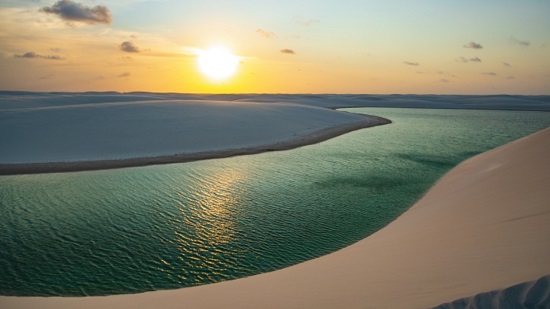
159	227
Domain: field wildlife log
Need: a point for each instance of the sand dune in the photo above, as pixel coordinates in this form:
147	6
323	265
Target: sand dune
533	294
11	100
482	227
80	133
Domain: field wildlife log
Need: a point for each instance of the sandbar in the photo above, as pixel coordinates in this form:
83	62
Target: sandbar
106	135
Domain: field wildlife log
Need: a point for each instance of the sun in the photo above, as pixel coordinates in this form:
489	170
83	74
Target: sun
217	62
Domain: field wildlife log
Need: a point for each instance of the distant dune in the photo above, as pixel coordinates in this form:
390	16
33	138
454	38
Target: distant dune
12	99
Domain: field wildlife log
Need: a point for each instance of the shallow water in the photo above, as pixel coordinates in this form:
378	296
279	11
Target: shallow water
160	227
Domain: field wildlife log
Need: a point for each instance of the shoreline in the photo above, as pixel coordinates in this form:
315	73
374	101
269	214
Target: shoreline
79	166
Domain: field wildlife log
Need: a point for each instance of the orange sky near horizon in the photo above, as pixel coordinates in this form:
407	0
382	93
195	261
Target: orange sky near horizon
398	46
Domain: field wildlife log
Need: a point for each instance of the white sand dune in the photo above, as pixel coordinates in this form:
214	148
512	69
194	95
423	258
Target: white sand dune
135	131
108	131
12	100
482	227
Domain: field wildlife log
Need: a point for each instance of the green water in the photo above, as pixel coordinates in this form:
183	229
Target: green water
160	227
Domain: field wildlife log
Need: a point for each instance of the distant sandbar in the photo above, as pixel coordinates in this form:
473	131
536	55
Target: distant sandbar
315	137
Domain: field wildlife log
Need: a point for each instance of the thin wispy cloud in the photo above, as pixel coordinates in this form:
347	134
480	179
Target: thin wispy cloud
266	34
411	63
35	55
519	42
506	64
448	74
307	22
129	47
47	76
510	77
473	45
489	73
465	60
443	80
71	11
123	75
288	51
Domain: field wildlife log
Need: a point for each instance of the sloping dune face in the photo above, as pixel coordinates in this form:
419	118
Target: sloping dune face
121	130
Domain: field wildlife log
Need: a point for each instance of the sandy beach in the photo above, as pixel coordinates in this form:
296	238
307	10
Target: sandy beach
482	227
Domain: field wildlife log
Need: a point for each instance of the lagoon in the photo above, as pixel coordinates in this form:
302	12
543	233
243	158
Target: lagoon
160	227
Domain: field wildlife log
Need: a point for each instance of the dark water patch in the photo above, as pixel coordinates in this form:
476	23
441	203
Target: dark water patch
379	183
434	161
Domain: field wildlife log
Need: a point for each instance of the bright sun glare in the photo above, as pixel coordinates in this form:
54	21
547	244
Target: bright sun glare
217	63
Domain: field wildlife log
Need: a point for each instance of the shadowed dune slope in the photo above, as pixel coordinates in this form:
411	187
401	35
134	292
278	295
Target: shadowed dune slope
533	294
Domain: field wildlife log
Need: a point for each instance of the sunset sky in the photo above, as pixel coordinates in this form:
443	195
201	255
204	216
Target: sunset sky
300	46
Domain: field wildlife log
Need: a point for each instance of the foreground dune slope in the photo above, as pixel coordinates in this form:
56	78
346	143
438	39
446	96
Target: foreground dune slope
483	226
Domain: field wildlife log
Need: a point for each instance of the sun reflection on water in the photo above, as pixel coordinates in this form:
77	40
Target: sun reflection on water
206	224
